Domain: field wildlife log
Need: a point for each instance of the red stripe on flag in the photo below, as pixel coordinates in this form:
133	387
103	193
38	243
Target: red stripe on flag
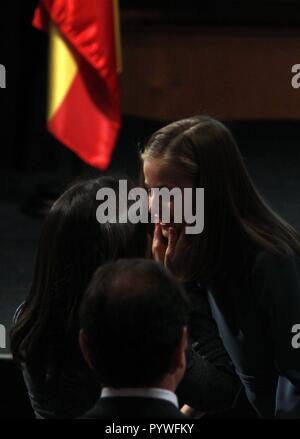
87	121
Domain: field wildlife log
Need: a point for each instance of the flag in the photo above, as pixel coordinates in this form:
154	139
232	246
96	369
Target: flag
84	61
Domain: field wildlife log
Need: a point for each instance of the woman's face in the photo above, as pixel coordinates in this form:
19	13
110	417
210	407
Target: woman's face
158	176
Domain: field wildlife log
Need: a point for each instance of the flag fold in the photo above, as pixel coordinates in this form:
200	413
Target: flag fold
83	101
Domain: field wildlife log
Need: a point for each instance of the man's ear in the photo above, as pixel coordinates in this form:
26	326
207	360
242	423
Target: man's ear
84	349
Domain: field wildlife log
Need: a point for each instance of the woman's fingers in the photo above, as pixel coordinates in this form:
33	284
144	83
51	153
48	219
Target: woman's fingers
157	236
172	254
158	246
170	251
172	258
176	252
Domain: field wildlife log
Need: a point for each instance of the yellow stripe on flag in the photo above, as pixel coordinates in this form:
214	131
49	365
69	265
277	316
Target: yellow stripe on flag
62	70
117	35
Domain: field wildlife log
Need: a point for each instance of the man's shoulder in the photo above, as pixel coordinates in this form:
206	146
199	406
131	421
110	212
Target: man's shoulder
134	408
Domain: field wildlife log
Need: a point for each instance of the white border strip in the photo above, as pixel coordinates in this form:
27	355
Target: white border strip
6	357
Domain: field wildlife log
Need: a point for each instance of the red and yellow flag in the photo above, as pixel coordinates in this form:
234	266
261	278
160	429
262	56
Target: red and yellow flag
83	101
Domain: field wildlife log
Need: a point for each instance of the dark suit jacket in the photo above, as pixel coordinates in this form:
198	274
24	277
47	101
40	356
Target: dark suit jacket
255	315
133	407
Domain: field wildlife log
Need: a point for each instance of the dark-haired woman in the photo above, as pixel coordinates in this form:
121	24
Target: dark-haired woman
44	338
247	258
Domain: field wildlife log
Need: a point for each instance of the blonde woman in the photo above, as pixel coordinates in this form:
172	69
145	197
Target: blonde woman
245	262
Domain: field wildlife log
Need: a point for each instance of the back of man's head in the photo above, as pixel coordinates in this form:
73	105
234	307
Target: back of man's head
133	318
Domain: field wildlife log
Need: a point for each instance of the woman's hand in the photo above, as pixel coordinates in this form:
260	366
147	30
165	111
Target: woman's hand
170	253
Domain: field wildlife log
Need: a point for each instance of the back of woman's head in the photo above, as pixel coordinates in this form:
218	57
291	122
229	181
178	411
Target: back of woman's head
235	214
71	246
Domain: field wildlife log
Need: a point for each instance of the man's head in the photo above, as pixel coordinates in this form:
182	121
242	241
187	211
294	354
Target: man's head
134	318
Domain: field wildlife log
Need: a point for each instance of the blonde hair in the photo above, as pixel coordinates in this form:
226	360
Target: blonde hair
170	145
236	217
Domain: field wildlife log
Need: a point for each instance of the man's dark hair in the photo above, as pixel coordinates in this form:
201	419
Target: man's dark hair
133	314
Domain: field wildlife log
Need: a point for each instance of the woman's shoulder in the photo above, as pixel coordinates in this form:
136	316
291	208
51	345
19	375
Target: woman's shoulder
274	275
266	263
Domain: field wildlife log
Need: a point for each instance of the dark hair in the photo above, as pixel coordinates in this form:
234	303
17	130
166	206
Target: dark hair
71	246
236	217
133	315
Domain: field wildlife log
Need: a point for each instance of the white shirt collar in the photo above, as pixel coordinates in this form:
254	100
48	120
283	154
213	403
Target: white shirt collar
147	392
